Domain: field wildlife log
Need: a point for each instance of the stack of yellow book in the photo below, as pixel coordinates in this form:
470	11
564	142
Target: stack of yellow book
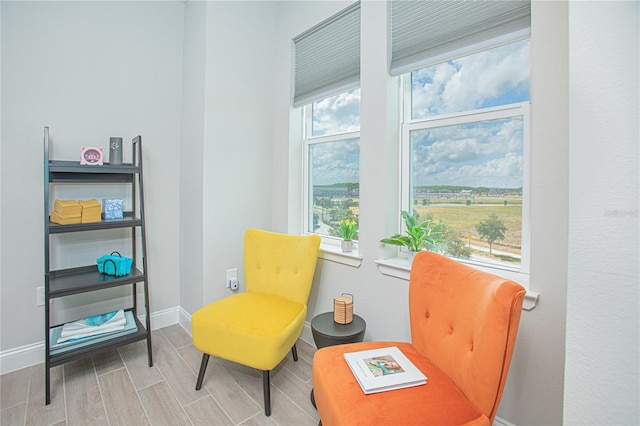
91	210
66	212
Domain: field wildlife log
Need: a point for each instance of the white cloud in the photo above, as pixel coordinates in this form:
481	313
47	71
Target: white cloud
336	162
501	172
337	114
489	78
480	154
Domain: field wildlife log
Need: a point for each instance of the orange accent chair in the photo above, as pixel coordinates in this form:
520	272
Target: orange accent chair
258	327
463	330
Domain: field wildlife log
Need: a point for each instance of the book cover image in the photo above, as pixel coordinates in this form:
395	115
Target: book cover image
383	365
383	369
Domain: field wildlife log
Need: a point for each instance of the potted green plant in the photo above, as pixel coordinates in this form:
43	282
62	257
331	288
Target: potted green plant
419	236
348	229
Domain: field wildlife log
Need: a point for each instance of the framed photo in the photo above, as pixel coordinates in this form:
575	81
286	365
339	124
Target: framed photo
91	156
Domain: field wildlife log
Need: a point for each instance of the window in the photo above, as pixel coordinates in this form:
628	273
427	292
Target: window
326	84
465	147
332	162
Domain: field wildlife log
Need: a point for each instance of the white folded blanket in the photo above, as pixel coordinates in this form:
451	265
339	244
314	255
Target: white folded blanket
92	326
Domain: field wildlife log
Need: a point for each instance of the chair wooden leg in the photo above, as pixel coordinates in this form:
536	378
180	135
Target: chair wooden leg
203	368
267	392
294	351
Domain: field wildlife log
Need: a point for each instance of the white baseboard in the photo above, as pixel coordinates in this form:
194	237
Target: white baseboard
22	357
306	334
498	421
28	355
184	319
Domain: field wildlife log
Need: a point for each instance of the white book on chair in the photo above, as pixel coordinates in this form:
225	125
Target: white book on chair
383	369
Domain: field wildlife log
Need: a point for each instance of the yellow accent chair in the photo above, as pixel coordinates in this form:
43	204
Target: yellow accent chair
258	327
463	330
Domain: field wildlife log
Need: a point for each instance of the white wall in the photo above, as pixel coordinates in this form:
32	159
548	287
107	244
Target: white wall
603	348
533	394
226	150
89	70
192	155
237	153
373	293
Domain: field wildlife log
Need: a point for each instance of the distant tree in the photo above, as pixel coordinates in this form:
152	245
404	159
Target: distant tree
453	246
349	214
325	203
352	189
468	202
457	248
336	214
346	204
316	225
492	229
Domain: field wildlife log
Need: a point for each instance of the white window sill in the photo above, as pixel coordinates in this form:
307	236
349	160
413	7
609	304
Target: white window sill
333	253
399	267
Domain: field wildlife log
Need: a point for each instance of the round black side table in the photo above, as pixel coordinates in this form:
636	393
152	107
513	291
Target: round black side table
327	332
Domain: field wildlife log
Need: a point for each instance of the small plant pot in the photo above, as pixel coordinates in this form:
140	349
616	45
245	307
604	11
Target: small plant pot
411	256
346	246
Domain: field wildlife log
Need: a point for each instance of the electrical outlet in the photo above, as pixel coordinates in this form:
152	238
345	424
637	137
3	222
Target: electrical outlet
232	277
39	296
234	284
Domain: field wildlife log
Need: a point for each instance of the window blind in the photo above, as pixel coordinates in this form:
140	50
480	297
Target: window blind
327	57
425	33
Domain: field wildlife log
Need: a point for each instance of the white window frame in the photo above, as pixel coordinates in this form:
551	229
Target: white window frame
329	246
399	266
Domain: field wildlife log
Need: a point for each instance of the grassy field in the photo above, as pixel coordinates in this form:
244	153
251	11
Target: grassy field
463	219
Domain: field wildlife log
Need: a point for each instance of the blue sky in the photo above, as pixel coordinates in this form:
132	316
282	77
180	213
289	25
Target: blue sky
339	113
336	162
493	77
484	154
488	153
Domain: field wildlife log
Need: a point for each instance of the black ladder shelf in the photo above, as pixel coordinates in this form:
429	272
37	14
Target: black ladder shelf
66	282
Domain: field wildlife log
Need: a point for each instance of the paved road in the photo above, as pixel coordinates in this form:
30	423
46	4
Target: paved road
494	251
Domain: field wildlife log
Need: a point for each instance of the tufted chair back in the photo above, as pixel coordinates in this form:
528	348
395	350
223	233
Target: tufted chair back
279	264
465	321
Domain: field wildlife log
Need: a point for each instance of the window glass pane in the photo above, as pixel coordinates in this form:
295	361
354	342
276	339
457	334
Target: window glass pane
470	176
336	114
334	173
494	77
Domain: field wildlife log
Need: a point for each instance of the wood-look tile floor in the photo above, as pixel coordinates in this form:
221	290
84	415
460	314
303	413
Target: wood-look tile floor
117	387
